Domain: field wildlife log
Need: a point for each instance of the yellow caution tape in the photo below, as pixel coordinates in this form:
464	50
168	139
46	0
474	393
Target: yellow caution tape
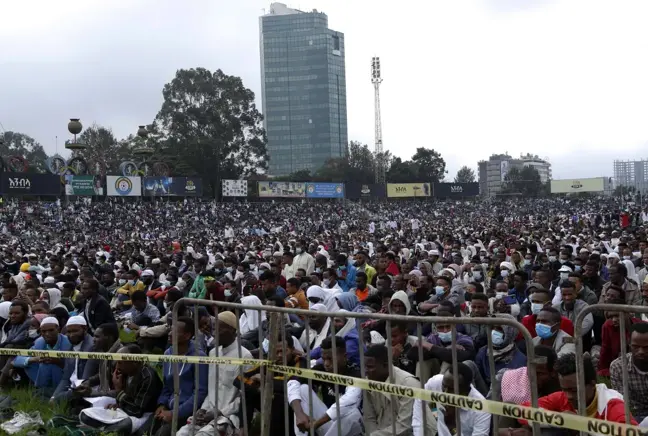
533	414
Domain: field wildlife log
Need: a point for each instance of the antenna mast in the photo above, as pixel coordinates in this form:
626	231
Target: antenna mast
377	80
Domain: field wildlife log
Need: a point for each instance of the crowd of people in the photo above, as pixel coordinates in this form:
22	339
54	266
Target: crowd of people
105	276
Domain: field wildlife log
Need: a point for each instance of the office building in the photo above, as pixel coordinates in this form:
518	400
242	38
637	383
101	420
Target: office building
492	172
303	83
632	173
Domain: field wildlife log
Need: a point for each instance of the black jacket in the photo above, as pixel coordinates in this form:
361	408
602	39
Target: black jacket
97	312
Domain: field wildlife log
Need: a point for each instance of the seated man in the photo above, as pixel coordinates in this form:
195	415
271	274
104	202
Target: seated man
229	397
106	340
136	390
184	329
15	333
472	422
156	335
549	332
325	413
76	370
142	313
504	351
635	371
45	372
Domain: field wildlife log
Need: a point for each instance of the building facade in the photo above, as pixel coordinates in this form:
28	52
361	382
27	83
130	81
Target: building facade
492	172
632	173
303	83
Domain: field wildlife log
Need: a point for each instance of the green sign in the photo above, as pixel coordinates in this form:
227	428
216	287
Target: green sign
82	185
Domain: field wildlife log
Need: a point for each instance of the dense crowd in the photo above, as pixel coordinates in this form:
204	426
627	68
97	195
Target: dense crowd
104	277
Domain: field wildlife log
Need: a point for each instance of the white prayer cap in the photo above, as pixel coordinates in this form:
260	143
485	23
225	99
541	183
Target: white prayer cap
49	320
75	320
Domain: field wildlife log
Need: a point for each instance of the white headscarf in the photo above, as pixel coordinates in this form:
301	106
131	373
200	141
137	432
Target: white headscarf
4	309
249	320
632	273
350	323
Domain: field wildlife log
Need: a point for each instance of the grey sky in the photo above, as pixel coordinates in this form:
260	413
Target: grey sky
564	80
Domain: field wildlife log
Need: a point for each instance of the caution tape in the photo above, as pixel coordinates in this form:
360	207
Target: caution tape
532	414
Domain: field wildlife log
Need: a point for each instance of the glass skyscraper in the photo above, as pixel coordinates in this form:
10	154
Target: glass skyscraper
303	83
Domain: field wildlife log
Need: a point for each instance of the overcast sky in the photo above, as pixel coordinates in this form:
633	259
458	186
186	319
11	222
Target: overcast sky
564	79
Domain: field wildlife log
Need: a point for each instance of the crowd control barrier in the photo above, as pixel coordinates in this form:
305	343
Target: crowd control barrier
578	333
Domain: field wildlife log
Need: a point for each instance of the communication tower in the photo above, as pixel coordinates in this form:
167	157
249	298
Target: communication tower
376	79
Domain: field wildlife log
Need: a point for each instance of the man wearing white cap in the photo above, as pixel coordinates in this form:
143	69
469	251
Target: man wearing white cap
45	372
229	400
76	370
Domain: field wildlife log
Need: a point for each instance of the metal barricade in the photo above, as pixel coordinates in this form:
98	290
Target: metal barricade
578	333
277	318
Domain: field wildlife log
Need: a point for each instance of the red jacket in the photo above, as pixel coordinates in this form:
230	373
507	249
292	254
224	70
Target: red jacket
529	322
392	269
611	345
610	405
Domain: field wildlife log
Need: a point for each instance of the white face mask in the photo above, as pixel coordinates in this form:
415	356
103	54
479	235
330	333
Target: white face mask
500	295
33	333
181	285
564	276
505	273
228	293
477	275
326	282
122	282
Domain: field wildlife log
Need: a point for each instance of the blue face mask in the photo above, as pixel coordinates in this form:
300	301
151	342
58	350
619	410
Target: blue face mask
577	268
544	331
342	268
497	337
445	337
440	290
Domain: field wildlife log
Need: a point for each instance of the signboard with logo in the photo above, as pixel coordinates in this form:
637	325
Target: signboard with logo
186	186
325	190
123	186
408	190
30	184
564	186
456	190
83	185
357	191
282	189
235	188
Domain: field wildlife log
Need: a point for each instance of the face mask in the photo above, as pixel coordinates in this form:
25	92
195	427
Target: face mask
505	273
497	337
132	282
228	293
33	333
562	260
445	336
229	269
318	270
299	250
564	276
577	268
440	290
477	275
181	284
500	295
326	282
552	258
626	257
122	282
342	268
544	331
536	308
527	262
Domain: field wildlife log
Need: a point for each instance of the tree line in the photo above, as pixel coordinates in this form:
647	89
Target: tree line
209	126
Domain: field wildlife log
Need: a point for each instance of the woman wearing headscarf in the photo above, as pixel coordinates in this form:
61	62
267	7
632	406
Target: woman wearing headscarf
52	296
632	273
505	352
317	329
347	301
249	321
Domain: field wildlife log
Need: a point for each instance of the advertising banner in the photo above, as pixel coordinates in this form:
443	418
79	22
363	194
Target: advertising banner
408	190
357	191
504	169
564	186
325	190
235	188
83	185
282	189
30	184
456	190
158	186
187	186
123	186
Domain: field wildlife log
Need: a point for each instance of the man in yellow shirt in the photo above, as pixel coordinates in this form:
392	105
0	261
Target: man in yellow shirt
362	265
133	284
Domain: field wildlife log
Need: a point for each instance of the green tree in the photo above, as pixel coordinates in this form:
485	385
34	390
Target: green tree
431	166
210	123
297	176
103	153
525	182
359	166
465	175
19	144
404	172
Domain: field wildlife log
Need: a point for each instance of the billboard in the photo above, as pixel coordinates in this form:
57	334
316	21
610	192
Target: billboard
325	190
282	189
357	191
160	186
30	184
563	186
408	190
456	190
123	186
187	186
504	169
235	188
83	185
